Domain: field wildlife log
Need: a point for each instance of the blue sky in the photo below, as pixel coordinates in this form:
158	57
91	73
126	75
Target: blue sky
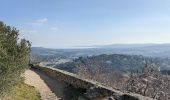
67	23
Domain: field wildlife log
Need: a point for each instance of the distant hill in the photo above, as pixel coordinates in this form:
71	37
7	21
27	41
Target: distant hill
115	62
149	50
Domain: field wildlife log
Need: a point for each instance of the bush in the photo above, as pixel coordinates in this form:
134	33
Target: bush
14	57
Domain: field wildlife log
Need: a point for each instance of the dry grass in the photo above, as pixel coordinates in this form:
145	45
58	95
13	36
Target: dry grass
23	92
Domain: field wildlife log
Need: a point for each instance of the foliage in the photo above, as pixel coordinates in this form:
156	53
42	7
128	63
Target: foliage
14	57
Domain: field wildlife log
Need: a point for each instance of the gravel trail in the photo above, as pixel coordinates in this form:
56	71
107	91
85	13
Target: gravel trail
48	88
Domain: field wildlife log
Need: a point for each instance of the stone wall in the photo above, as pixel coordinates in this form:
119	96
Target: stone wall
95	90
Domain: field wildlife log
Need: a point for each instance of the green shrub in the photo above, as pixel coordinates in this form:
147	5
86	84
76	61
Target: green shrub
14	57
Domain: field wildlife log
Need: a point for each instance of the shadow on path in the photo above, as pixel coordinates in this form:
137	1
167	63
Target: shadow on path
60	89
57	87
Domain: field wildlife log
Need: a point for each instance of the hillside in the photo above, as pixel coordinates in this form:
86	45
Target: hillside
116	62
148	50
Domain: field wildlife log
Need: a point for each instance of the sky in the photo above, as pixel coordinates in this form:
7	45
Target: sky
71	23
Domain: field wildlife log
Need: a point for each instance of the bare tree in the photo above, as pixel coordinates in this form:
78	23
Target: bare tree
149	83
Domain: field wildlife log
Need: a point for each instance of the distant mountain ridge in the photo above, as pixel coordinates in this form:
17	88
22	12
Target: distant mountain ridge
126	45
149	50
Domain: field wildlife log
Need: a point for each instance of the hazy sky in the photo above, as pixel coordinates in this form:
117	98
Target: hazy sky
66	23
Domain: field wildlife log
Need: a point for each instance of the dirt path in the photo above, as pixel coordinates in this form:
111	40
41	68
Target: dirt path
49	88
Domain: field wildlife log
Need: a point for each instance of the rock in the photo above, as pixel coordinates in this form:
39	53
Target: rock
111	98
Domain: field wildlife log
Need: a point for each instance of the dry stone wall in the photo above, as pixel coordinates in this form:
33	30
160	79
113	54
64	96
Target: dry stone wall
94	89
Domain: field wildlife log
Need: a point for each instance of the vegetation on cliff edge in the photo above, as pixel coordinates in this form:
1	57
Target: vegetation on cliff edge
14	58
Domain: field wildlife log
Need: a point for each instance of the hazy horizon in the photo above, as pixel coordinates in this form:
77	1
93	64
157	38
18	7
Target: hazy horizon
107	45
67	24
